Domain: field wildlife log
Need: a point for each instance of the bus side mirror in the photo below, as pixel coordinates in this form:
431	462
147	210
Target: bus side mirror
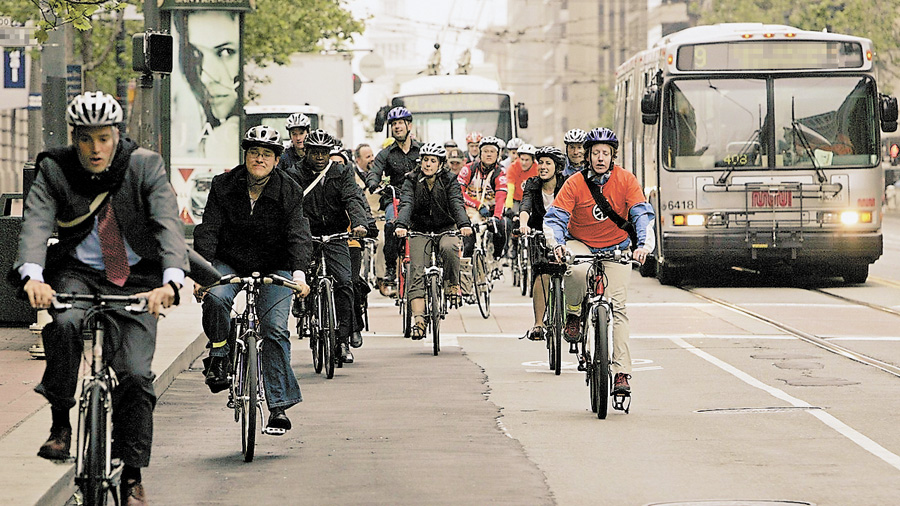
380	117
888	113
650	106
522	115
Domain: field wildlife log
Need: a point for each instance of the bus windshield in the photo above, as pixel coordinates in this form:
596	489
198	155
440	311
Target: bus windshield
442	126
722	123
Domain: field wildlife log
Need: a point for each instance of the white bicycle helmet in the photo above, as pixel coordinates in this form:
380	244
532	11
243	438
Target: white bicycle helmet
527	149
490	141
514	144
297	120
575	136
263	136
94	108
433	149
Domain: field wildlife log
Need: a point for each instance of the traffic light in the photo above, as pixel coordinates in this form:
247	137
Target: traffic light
151	52
895	154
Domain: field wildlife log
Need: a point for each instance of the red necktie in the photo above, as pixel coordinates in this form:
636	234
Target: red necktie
113	246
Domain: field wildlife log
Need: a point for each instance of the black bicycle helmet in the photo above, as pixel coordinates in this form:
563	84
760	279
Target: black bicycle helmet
263	136
601	136
553	153
319	139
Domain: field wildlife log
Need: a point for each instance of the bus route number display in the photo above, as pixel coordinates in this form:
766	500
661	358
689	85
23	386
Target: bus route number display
770	55
445	102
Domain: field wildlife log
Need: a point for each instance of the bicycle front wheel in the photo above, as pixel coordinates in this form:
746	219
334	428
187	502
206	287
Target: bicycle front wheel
93	484
557	310
328	328
599	367
482	282
249	390
435	311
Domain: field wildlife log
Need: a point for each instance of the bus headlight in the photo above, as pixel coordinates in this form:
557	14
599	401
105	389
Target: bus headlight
849	217
691	220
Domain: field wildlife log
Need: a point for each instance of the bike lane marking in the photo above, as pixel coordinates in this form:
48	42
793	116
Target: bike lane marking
845	430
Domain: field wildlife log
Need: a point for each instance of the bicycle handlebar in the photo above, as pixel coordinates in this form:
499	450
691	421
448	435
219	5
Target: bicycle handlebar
333	237
130	303
452	233
620	256
271	279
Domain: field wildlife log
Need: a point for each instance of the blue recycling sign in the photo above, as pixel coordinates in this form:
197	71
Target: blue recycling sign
14	67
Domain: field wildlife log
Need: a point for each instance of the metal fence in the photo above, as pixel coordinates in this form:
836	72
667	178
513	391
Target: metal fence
13	148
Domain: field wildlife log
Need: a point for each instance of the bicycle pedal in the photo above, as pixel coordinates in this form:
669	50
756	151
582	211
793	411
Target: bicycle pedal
274	431
621	401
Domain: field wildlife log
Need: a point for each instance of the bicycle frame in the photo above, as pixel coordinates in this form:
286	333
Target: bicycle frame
97	479
324	310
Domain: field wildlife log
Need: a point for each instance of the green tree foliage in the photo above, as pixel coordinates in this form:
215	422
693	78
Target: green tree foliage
51	14
873	19
278	28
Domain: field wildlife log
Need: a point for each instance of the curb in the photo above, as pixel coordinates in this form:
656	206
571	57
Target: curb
28	479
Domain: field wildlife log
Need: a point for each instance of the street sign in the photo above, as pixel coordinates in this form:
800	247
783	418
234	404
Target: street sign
14	67
16	36
73	81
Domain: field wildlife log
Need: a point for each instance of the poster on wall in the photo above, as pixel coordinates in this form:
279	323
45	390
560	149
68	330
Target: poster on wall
205	99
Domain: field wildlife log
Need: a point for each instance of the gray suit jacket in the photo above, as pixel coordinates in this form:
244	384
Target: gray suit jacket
145	207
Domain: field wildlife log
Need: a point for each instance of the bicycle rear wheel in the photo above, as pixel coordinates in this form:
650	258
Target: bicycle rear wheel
599	366
93	483
482	283
435	310
249	390
557	310
328	328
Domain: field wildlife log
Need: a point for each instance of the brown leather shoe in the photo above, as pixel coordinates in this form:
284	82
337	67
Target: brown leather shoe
133	494
57	445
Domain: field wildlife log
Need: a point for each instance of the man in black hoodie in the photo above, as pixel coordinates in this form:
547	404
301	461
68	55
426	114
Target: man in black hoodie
119	233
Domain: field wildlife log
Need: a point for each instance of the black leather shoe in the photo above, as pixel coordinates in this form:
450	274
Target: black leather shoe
278	419
57	445
133	493
356	339
346	356
217	376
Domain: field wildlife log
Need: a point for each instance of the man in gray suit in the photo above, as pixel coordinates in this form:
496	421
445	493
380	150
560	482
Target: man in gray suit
116	217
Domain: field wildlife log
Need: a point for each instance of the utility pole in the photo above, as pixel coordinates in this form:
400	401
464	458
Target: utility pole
53	87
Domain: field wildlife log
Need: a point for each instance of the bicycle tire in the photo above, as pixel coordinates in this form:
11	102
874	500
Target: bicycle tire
327	327
249	391
525	263
558	310
405	312
435	310
599	368
315	343
481	282
94	486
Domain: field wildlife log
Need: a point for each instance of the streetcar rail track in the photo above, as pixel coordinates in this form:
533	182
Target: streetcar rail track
806	336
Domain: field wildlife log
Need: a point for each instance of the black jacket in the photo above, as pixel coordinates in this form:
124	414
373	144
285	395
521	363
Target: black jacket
273	236
395	164
533	202
431	210
335	203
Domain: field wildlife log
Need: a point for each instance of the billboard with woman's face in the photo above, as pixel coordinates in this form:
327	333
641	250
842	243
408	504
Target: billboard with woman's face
205	100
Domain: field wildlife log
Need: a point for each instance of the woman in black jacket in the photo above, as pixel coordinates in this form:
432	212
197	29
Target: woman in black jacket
537	196
431	201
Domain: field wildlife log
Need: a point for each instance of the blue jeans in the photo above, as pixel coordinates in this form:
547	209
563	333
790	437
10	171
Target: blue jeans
273	306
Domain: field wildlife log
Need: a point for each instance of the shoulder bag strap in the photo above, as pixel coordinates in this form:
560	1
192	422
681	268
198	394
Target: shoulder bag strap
607	209
92	209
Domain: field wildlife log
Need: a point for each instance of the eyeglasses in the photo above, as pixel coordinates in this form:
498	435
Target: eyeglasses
260	153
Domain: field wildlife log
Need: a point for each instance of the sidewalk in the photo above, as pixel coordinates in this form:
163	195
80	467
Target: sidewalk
25	415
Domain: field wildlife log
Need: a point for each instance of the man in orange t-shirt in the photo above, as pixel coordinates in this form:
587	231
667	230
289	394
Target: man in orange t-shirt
576	223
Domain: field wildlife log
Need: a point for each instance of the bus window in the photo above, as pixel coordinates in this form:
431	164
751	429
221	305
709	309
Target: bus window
829	118
713	123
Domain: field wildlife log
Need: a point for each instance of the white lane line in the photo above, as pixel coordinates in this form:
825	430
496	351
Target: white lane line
862	441
452	339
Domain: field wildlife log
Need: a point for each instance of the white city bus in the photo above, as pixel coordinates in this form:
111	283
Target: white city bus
758	145
450	106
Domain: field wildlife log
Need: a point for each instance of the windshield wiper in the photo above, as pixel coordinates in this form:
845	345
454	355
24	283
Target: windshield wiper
748	145
795	127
